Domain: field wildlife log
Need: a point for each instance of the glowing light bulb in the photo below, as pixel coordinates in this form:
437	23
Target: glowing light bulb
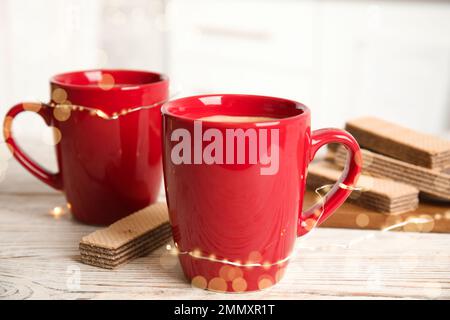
101	114
196	253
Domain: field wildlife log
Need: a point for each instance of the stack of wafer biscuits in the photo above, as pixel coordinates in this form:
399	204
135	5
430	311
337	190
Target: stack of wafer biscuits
133	236
432	183
400	143
381	195
395	156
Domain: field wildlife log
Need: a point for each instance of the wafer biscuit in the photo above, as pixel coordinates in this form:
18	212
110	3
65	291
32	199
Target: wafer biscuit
400	143
378	194
154	237
108	263
433	183
133	236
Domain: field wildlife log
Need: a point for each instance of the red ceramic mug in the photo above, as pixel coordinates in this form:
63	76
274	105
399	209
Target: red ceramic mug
107	126
235	217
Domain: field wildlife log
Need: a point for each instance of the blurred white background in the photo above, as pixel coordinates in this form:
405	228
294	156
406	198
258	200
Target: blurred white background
341	58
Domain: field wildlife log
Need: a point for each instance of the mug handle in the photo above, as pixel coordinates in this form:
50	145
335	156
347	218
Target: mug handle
54	180
319	212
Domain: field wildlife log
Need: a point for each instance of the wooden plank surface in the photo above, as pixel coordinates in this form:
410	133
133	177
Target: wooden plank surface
39	258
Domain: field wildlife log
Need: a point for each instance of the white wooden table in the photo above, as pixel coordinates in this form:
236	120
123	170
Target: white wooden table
39	259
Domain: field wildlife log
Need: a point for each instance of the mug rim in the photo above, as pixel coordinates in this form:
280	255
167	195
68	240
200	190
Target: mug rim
54	80
165	110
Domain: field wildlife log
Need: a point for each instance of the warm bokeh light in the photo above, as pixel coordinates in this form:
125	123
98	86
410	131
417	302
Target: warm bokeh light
62	112
254	257
447	215
239	285
196	253
59	95
217	284
265	281
57	212
362	220
199	282
309	224
317	212
229	273
106	82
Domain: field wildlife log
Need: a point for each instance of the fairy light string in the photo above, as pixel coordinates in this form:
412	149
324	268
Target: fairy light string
63	107
102	114
196	254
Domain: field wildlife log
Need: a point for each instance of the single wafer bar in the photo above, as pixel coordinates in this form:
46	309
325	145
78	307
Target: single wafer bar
135	235
107	262
378	194
400	143
432	183
160	231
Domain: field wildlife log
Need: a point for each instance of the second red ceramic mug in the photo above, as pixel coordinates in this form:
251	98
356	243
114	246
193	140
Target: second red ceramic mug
235	186
107	126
